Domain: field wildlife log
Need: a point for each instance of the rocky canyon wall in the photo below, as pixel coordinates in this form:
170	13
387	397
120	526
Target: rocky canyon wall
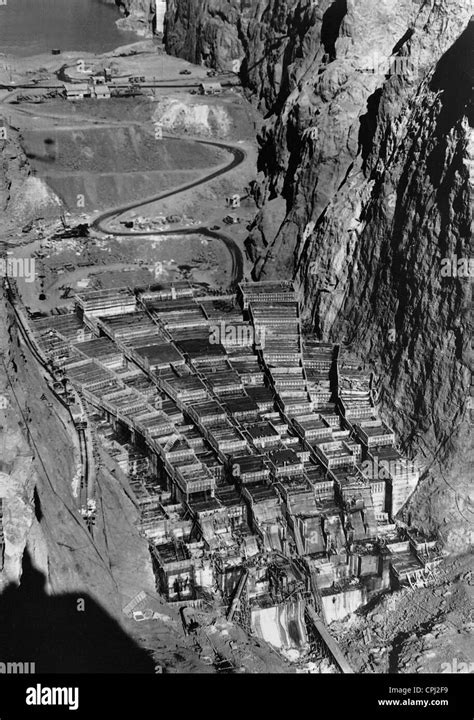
364	189
138	15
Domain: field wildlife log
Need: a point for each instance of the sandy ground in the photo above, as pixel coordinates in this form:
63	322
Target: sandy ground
115	262
95	167
140	58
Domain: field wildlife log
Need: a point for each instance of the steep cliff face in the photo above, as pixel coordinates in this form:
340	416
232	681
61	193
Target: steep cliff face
363	189
139	16
372	271
39	457
204	32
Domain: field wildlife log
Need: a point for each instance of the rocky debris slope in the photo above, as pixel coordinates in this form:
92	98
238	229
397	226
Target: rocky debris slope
176	115
23	197
425	630
364	189
62	546
17	476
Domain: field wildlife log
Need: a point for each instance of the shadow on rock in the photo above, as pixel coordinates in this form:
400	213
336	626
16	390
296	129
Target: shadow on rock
67	633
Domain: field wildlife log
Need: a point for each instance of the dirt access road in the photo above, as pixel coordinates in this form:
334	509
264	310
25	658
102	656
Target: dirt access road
100	222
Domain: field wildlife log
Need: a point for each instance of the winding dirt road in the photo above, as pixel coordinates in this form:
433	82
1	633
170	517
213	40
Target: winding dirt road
100	222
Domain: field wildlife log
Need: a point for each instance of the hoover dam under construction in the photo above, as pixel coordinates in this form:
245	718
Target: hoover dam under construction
236	399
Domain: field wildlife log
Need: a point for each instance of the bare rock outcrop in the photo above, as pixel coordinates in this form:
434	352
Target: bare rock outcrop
138	16
367	140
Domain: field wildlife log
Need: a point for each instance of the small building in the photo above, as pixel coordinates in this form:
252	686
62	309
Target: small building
77	91
210	88
101	92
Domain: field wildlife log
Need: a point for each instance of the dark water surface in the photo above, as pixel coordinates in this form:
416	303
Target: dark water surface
29	27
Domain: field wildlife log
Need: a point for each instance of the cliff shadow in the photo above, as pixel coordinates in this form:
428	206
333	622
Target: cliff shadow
454	78
368	126
331	25
69	633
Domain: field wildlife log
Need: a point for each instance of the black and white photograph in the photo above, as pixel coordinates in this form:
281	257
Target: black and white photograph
236	354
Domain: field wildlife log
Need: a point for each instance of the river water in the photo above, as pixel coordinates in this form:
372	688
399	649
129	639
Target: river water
29	27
